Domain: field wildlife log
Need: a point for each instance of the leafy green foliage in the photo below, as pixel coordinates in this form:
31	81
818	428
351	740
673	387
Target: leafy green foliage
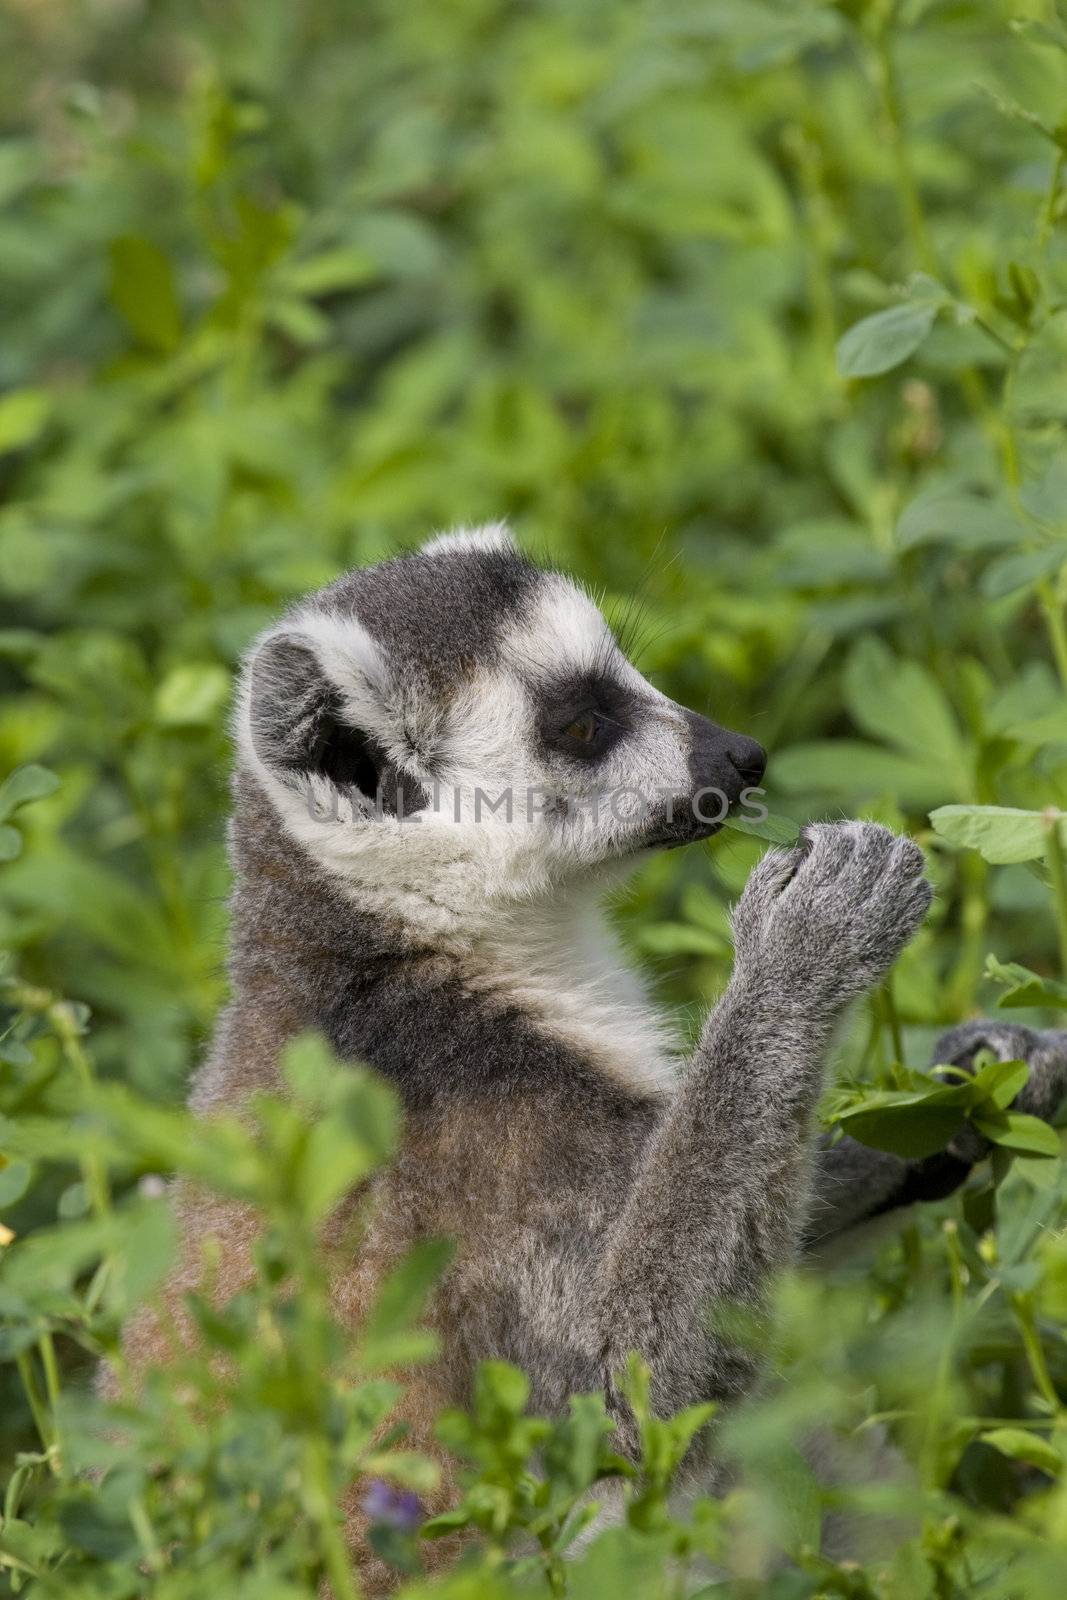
928	1114
885	340
752	310
1001	834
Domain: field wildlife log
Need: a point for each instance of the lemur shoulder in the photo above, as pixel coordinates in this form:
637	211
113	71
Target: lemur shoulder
602	1190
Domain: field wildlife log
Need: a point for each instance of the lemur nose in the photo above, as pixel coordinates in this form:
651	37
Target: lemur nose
748	757
713	750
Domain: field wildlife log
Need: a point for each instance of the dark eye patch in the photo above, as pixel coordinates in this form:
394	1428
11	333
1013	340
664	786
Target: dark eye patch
563	700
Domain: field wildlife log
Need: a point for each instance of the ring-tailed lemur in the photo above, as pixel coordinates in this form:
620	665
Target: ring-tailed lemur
603	1192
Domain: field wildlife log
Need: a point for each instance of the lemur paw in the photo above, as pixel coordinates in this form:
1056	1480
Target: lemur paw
824	921
1045	1052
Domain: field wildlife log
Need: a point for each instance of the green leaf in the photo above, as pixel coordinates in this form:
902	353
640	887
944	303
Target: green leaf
23	414
1043	495
777	830
192	695
1030	707
968	521
1015	1130
703	929
997	1083
1051	728
1021	1445
1001	834
915	1121
901	702
353	1118
143	1234
10	843
1025	988
401	1297
19	644
343	268
147	1242
911	1130
298	320
682	939
142	290
25	1546
99	902
404	1466
860	771
1040	992
14	1180
885	340
23	785
1039	1172
1020	570
313	1072
500	1389
444	1523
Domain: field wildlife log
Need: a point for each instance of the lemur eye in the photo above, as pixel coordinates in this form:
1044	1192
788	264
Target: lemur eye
584	728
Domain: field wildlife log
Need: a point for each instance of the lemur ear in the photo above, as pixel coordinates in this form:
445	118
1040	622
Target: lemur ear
302	724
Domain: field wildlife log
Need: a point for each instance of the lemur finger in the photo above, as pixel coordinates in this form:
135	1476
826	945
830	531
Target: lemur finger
906	858
895	912
828	849
913	901
889	864
768	878
854	857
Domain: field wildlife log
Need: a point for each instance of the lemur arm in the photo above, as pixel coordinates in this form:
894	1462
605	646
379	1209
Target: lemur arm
722	1192
852	1183
715	1206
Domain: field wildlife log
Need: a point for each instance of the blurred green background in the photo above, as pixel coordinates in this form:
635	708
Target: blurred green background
286	287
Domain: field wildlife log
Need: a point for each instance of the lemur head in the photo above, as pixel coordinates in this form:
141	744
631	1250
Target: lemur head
457	730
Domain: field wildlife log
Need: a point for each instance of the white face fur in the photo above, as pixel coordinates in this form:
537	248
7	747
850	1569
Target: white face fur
456	733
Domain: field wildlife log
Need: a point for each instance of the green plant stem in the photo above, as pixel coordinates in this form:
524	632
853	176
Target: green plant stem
974	914
938	1408
892	1017
1051	606
146	1536
63	1020
803	151
885	77
1052	611
955	1264
1058	873
51	1367
997	338
883	70
1048	209
874	1028
320	1500
38	1409
908	1413
46	1346
1035	1350
551	1567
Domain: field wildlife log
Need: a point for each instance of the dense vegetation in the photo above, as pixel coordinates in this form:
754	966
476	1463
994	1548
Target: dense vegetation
756	309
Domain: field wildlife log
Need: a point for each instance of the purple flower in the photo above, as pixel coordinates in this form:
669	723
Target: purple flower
391	1507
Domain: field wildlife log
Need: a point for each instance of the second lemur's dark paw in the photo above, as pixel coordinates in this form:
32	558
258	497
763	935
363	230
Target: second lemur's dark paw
1044	1051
